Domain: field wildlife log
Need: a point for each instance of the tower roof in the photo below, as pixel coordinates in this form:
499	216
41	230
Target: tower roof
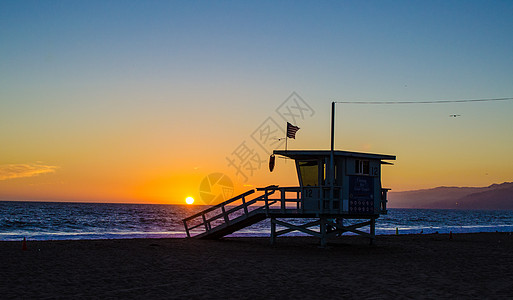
309	154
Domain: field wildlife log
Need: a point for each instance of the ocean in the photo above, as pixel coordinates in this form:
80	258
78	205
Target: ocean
75	221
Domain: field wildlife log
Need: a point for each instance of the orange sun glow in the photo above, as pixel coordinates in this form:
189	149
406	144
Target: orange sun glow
189	200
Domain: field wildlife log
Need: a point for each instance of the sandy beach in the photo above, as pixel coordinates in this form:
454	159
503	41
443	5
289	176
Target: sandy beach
468	266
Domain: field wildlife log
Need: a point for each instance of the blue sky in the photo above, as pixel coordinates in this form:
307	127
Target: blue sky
416	42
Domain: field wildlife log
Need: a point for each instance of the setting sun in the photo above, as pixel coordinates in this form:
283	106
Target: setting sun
189	200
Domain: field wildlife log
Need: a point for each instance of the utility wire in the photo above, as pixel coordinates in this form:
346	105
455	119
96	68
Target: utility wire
425	102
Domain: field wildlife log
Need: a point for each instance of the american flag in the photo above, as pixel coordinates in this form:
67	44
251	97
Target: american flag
291	131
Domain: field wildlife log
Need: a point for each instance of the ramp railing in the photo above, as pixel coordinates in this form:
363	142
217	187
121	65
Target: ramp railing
383	201
226	214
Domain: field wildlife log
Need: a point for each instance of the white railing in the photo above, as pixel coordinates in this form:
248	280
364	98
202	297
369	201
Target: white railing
383	201
289	201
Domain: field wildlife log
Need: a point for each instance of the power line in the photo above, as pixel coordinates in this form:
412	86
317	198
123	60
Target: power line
425	102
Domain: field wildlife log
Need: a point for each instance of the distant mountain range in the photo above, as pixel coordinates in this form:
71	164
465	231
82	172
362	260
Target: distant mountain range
495	196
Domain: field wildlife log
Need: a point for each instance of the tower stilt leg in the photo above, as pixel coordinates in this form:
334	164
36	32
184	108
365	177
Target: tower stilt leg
323	230
273	232
372	230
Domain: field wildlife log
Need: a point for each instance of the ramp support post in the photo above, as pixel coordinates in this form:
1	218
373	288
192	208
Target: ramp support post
273	231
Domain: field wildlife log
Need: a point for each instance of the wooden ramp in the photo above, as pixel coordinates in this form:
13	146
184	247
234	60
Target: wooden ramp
228	217
231	227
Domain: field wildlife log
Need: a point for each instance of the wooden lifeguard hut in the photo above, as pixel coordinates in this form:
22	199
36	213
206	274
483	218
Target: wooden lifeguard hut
333	186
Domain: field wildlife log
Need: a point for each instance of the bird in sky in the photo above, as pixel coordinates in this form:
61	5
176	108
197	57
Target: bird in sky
454	116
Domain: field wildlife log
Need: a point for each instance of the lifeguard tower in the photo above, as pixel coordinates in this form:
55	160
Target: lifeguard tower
333	186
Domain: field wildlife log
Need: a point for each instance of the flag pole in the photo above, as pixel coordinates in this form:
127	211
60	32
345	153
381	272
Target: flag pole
332	126
332	152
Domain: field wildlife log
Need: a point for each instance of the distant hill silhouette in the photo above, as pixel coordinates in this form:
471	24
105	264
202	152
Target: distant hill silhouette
495	196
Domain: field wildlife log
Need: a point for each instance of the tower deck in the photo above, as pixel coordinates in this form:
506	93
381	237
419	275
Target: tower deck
278	204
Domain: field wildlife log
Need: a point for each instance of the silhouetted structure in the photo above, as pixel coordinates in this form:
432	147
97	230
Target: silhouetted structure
333	186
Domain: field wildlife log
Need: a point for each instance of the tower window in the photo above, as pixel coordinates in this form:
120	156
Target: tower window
361	167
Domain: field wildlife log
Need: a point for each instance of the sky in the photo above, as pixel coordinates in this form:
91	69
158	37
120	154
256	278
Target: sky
155	101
